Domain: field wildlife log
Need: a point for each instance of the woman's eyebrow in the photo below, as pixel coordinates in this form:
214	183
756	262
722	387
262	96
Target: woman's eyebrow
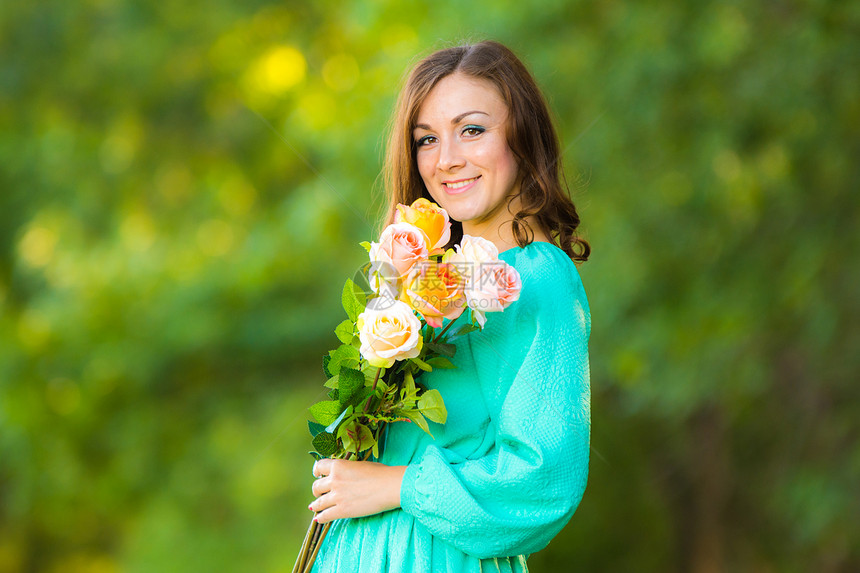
454	121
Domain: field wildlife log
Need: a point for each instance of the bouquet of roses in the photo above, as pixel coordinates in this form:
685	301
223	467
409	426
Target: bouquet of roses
390	336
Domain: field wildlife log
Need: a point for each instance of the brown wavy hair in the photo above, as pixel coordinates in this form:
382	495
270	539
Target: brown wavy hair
530	134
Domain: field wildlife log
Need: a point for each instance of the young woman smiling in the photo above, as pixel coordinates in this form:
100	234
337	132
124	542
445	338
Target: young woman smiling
506	472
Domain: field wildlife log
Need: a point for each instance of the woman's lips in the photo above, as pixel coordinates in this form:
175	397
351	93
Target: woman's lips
459	186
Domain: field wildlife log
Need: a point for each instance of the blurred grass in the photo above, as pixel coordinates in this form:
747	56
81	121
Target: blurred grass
182	190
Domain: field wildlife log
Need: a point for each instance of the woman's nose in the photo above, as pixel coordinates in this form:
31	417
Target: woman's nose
450	155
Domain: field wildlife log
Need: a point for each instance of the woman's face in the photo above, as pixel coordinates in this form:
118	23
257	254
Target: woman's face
463	154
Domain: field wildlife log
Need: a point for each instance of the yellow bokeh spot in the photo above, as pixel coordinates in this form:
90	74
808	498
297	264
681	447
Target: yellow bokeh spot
122	143
34	330
773	161
215	238
317	110
398	39
37	246
173	181
278	70
86	563
237	196
11	551
137	232
727	165
341	72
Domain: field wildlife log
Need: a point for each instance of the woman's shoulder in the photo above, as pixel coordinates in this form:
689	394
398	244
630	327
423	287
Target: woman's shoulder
552	289
545	270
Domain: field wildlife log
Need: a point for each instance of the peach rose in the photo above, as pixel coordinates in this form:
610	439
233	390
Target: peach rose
431	219
389	334
400	246
494	286
436	290
491	283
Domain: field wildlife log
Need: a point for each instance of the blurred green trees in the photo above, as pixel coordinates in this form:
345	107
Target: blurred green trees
182	190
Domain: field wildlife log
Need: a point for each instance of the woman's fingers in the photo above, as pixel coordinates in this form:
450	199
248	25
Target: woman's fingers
327	515
322	467
322	503
351	488
321	486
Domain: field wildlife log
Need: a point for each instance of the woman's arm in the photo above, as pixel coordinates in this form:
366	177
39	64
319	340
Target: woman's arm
348	488
534	377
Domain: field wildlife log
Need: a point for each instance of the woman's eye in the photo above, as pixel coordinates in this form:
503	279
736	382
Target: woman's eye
426	140
472	130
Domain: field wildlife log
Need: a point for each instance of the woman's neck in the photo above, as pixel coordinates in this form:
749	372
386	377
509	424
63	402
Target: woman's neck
501	233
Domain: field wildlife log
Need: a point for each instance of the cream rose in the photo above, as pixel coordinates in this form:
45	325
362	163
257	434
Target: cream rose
470	254
389	334
472	250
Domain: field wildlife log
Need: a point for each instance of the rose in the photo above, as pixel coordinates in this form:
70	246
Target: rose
393	333
430	218
400	246
436	290
491	284
493	288
473	250
470	254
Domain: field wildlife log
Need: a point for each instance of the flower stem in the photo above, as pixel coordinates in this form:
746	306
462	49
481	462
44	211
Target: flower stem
313	556
435	340
375	382
301	560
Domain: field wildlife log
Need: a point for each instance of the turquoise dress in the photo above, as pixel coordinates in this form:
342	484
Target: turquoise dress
508	469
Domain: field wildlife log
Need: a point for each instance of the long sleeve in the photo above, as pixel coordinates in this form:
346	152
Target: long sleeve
532	366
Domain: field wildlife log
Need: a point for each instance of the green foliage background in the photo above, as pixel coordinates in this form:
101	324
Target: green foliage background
182	189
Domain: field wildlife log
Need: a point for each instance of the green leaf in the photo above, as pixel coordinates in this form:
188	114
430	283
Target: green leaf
461	330
332	382
345	331
325	443
315	428
432	406
355	437
409	382
326	360
369	372
353	300
421	364
442	348
344	355
333	426
441	362
348	383
316	455
428	333
416	417
357	400
381	388
326	411
366	245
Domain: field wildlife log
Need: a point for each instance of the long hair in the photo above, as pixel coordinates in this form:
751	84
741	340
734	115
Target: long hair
530	135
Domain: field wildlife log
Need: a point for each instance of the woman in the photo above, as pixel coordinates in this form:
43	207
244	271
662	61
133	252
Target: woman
501	478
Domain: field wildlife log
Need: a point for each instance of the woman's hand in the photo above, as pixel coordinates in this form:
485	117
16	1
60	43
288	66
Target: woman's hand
348	488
